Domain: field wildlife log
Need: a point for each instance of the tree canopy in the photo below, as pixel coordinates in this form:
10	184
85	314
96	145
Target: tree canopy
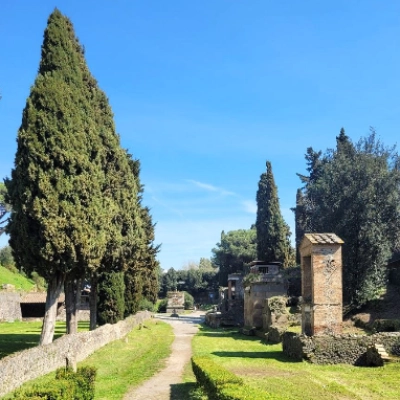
353	191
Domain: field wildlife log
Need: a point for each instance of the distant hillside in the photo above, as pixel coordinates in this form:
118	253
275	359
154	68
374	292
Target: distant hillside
20	282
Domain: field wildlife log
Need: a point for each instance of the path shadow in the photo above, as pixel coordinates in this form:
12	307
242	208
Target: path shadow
276	355
183	391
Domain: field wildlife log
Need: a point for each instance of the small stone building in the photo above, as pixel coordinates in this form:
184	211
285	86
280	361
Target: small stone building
265	280
321	276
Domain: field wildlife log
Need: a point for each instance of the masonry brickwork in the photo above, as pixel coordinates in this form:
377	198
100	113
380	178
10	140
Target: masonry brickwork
338	349
10	309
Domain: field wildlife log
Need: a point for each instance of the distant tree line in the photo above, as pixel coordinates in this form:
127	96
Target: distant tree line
75	193
196	279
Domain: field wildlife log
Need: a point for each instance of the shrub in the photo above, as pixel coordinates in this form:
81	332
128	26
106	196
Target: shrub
221	384
386	325
146	304
189	301
162	305
66	386
212	376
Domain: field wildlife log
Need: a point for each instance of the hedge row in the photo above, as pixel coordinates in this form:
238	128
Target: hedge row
220	384
67	385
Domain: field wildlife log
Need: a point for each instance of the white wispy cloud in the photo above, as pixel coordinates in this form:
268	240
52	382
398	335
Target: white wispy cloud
211	188
250	206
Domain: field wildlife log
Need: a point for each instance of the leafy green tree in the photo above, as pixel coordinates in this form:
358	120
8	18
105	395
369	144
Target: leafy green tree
6	258
234	251
3	206
273	233
55	186
170	280
356	195
111	302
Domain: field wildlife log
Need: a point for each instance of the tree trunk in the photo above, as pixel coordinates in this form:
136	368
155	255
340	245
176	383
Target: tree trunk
49	321
93	302
72	303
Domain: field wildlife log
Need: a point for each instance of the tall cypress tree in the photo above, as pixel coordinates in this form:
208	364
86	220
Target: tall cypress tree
55	185
272	231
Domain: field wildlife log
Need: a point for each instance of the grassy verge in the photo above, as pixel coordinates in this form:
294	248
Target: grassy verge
16	336
265	367
18	280
126	363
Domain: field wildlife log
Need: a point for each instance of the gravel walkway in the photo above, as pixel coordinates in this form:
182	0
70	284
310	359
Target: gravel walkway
159	386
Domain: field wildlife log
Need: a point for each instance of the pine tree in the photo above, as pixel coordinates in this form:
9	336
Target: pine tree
272	231
55	185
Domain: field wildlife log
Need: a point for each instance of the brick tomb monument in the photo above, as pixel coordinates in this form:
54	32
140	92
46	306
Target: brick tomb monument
322	341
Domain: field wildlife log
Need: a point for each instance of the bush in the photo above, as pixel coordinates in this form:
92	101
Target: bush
189	301
66	386
221	384
162	305
7	259
146	304
386	325
212	376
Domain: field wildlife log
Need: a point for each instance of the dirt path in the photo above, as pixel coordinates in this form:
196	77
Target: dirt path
159	386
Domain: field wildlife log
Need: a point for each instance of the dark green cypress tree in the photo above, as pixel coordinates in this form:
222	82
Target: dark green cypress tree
111	304
55	183
272	231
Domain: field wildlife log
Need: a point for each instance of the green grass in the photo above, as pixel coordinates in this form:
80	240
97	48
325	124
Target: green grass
20	282
128	362
267	368
16	336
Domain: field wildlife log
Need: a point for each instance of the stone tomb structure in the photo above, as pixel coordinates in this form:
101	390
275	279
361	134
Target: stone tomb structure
321	276
176	302
265	280
322	341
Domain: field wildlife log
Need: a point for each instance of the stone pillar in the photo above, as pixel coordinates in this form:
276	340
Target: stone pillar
321	273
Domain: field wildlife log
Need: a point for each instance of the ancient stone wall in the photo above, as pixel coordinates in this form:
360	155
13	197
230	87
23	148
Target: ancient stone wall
32	363
337	349
10	309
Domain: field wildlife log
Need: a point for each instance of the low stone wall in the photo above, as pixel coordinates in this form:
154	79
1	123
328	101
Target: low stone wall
10	309
337	349
32	363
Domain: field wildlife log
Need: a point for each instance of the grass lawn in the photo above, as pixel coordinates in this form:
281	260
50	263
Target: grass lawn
16	336
265	367
128	362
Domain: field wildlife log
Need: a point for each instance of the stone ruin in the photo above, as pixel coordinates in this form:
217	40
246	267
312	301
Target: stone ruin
266	280
176	302
321	277
322	341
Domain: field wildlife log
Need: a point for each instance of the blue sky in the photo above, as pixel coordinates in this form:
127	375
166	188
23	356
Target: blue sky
204	92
